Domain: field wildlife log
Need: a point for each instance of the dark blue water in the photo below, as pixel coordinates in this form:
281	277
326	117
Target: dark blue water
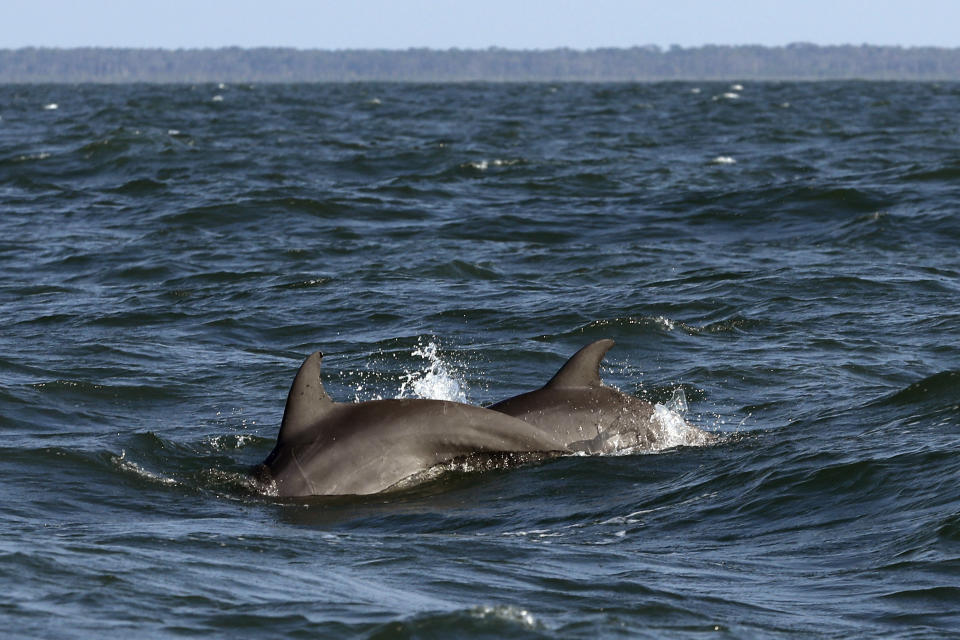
786	254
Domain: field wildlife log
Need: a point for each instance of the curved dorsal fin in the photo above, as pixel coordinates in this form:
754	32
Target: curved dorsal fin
583	369
307	401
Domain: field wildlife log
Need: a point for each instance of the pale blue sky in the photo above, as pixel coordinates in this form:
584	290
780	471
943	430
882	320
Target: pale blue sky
521	24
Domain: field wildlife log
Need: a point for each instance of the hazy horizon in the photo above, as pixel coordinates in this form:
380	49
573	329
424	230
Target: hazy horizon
530	50
434	24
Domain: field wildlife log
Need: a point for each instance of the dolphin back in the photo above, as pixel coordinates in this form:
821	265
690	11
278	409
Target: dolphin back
331	448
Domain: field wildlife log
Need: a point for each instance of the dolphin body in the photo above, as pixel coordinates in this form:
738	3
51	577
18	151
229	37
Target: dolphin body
335	448
589	416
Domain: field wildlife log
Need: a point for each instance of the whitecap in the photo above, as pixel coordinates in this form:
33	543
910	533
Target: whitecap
736	87
217	98
51	107
723	160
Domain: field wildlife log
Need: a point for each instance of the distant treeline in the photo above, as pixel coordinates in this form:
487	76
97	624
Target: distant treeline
637	64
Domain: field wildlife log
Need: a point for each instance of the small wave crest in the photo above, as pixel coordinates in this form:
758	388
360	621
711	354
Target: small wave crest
940	386
125	464
236	483
481	621
507	613
483	165
476	463
645	325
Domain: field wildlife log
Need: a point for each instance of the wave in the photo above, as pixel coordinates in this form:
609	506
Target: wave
948	529
482	621
800	203
947	172
80	390
930	598
460	270
215	464
940	390
140	187
647	325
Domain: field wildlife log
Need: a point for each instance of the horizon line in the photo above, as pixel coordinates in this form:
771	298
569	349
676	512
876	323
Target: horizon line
491	48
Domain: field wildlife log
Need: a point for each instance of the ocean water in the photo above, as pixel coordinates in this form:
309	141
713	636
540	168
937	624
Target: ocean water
785	255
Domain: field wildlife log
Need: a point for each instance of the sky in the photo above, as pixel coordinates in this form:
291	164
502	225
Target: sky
474	24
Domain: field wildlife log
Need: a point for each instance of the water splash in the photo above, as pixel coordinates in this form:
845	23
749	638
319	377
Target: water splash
438	381
678	402
228	442
675	430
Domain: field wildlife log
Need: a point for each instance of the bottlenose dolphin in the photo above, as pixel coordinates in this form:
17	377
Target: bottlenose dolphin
334	448
589	416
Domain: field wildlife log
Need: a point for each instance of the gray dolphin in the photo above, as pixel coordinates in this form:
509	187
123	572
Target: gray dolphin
589	416
335	448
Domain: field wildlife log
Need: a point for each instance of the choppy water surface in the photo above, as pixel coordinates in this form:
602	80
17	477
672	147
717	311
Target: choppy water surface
786	254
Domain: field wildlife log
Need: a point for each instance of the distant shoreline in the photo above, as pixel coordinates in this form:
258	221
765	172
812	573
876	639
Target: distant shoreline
796	62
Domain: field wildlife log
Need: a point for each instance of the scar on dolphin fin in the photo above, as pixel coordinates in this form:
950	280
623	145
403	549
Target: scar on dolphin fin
307	401
583	369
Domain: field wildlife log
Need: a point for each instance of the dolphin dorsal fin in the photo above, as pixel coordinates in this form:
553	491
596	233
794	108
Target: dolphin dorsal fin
583	369
307	401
